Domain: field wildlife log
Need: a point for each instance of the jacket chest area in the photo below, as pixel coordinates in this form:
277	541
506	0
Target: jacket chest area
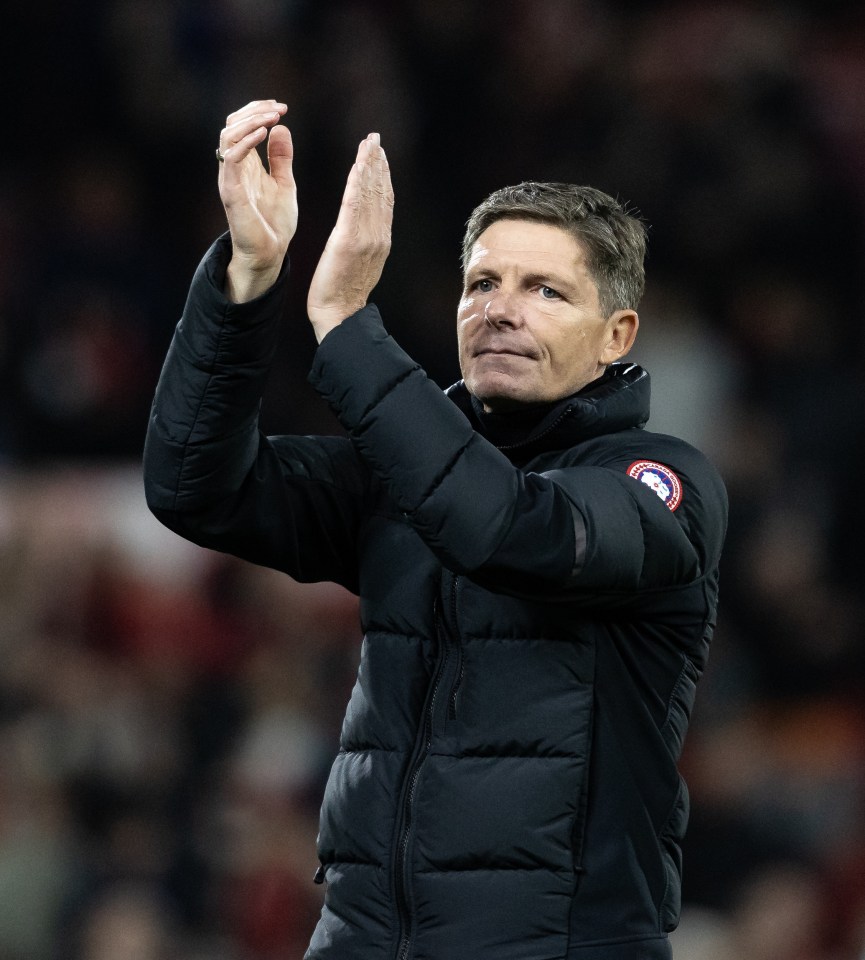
467	659
405	589
472	717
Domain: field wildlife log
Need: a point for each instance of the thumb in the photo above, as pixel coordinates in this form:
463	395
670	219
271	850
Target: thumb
280	154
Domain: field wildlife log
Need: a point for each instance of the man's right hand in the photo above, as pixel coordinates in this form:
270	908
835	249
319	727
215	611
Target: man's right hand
261	205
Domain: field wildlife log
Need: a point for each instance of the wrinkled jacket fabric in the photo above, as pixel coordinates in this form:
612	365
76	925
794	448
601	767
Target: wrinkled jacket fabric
535	620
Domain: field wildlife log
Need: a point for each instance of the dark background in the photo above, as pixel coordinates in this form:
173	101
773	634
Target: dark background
167	715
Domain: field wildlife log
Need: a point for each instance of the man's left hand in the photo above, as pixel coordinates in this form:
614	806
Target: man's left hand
359	244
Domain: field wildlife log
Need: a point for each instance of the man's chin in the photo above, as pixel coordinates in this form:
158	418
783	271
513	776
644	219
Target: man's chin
500	398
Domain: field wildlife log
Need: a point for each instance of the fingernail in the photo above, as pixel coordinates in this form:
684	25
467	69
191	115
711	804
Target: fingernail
376	138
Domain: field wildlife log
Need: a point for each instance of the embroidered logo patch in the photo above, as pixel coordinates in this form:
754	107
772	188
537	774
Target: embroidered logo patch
659	478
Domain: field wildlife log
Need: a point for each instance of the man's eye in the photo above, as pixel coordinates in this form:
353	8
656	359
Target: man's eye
483	286
549	294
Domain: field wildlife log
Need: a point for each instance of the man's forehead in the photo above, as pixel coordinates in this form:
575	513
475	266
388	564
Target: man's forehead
529	244
526	238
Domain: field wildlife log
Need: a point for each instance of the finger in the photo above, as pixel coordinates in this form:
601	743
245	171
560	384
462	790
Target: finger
386	193
363	151
351	197
238	151
381	200
353	219
233	133
387	183
280	155
370	154
383	185
376	156
256	106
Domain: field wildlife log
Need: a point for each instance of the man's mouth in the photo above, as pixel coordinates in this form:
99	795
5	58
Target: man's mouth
504	352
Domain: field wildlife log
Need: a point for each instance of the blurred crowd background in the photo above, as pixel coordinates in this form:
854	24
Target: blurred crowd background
168	715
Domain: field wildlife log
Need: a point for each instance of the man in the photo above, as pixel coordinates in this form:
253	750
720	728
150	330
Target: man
537	573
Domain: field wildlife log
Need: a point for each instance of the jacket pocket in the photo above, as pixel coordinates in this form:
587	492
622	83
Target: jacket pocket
578	832
670	843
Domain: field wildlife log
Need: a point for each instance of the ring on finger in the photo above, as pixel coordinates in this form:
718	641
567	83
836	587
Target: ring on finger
219	156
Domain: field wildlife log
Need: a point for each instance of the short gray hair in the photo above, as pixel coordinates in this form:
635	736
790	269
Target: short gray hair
613	237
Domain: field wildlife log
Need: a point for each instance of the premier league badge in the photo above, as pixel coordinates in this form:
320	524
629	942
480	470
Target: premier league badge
658	478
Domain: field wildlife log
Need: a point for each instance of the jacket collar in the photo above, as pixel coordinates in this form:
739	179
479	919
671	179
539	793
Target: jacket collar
619	400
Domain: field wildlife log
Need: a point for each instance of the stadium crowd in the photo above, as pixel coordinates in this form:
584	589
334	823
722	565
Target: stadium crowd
167	715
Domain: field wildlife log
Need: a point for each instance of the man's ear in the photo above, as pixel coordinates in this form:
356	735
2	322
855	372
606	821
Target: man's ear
621	331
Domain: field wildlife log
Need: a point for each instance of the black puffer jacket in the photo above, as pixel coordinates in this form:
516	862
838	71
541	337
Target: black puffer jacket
535	620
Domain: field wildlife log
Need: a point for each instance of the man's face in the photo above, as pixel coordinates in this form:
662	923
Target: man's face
529	325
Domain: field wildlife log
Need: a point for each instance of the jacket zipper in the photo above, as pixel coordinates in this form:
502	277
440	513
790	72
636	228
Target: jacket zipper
401	866
530	440
455	632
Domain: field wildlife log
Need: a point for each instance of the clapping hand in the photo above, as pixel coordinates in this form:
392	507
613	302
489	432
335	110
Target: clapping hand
260	204
358	245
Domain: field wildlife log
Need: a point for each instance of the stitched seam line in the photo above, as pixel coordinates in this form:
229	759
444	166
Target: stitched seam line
384	392
668	715
637	938
660	835
436	871
570	757
342	861
439	480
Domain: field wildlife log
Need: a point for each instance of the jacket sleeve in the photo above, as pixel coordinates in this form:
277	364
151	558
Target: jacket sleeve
576	529
286	502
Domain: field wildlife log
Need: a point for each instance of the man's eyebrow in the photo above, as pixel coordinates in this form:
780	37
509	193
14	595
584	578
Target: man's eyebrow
555	280
558	281
481	270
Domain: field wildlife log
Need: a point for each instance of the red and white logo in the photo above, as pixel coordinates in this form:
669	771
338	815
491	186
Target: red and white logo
659	478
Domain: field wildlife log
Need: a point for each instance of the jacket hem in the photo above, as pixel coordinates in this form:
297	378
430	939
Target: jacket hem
655	947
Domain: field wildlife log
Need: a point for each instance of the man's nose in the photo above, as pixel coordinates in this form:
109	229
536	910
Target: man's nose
501	310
